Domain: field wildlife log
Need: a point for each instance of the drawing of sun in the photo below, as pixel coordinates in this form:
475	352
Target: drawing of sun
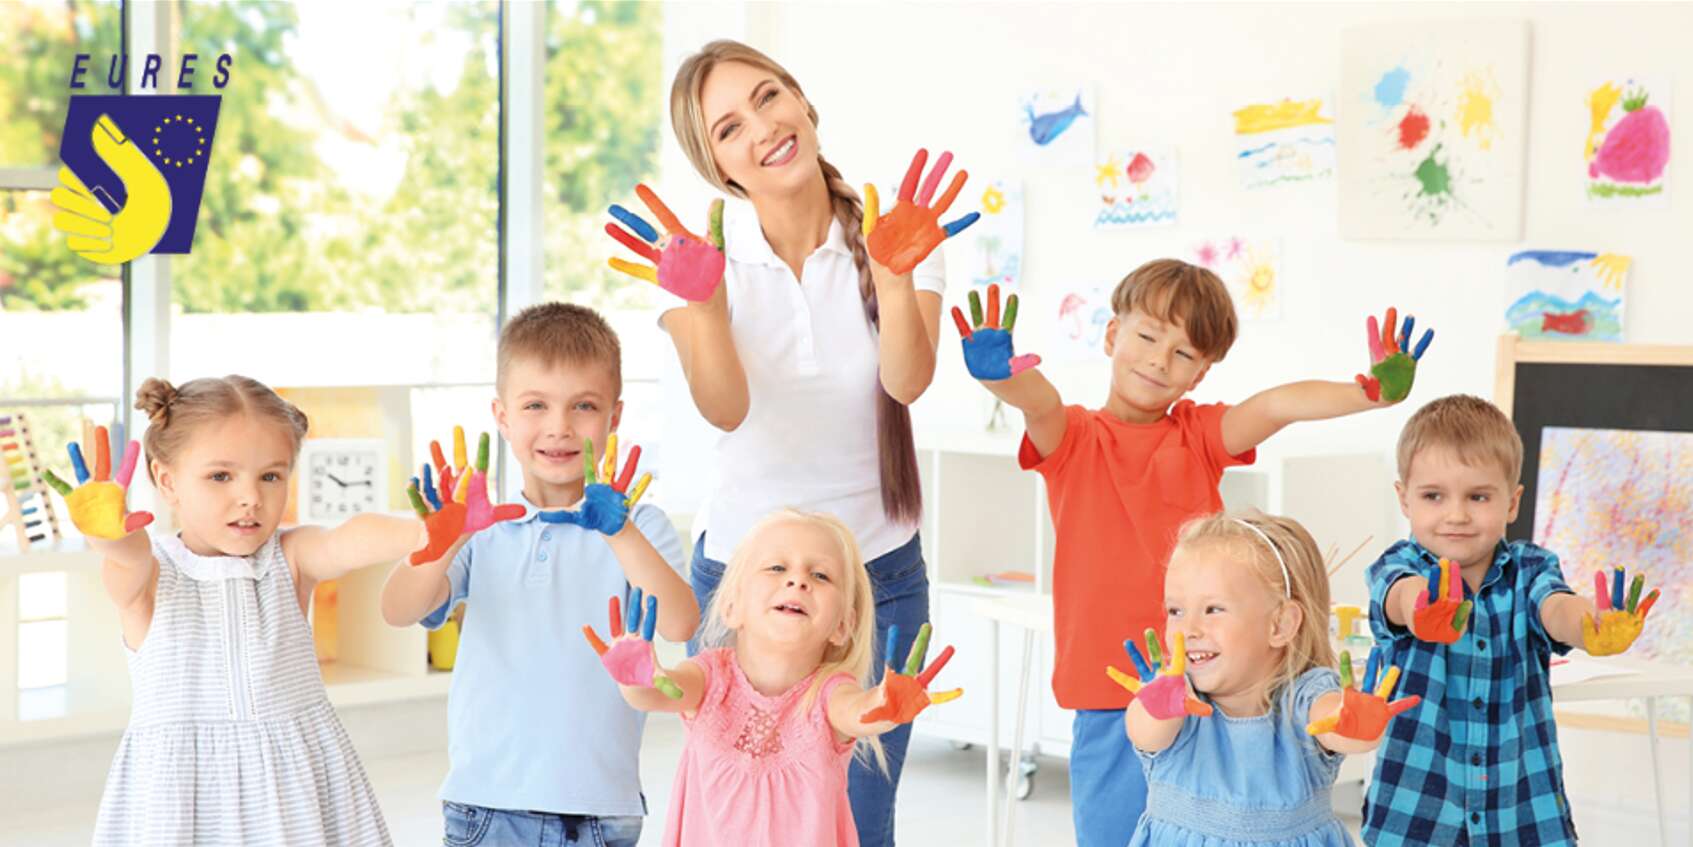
993	202
1259	291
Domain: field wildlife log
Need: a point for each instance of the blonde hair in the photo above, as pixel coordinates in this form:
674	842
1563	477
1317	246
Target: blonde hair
1469	425
1305	584
559	334
855	656
1173	290
176	412
902	495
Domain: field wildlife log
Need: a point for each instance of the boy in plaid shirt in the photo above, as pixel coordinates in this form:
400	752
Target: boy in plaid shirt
1482	767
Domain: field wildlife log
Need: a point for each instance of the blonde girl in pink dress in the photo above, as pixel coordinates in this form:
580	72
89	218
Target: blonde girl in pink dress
777	706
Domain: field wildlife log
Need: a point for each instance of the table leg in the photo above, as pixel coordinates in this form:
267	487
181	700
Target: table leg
993	734
1657	773
1015	771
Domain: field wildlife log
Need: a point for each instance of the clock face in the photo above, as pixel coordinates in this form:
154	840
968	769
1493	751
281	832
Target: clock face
341	482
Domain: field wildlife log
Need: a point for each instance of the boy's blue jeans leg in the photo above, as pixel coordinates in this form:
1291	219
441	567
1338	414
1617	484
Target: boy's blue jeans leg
1107	788
476	826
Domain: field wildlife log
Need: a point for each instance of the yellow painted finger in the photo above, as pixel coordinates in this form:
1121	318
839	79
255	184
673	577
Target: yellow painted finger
1384	689
1178	654
461	492
461	456
639	489
872	208
1324	726
1131	684
1445	578
608	468
646	272
946	696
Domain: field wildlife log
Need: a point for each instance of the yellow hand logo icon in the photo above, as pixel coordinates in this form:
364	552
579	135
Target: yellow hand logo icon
96	234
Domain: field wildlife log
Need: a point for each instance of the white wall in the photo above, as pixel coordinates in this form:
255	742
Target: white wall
887	78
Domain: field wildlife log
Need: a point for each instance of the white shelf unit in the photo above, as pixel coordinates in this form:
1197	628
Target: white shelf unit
376	663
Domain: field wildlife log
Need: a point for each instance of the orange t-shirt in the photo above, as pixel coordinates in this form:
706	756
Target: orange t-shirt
1118	493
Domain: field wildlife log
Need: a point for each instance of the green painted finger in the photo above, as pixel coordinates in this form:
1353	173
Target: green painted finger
482	453
975	308
1634	592
715	227
417	502
1153	651
919	649
1345	669
588	476
666	685
1463	615
1009	319
58	484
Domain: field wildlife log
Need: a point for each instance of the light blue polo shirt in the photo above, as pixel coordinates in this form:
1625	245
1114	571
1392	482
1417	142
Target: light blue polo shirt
534	722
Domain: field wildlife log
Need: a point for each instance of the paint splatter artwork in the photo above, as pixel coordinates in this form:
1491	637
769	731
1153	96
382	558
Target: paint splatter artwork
1056	127
1251	268
1136	188
1289	141
1565	295
1627	151
1432	130
1607	497
995	256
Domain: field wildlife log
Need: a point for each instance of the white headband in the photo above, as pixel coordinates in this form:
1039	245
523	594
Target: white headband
1287	578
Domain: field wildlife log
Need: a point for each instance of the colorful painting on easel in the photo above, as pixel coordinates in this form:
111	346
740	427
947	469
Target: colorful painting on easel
1628	141
1083	314
1056	127
1566	295
1289	141
1137	188
1432	130
996	241
1251	268
1609	497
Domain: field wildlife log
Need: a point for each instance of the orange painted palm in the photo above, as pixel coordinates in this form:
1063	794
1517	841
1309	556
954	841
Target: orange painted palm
908	234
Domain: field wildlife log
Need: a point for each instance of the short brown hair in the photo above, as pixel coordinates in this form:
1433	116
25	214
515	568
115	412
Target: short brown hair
560	334
174	413
1469	425
1173	290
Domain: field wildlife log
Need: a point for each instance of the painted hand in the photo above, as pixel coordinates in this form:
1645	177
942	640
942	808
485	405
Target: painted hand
455	511
97	503
1163	693
987	349
908	234
630	659
905	695
1442	612
605	505
1393	364
682	263
96	234
1618	625
1364	716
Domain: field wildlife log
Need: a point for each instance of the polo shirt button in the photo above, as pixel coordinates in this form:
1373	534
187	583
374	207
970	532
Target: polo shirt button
1477	702
1475	758
1475	817
543	557
1480	642
547	536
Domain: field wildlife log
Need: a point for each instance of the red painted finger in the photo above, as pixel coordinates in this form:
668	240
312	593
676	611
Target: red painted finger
1646	604
993	307
963	325
1197	708
1404	705
623	479
594	640
1601	591
1388	323
102	455
136	520
616	609
641	248
935	667
508	512
1371	386
934	181
908	188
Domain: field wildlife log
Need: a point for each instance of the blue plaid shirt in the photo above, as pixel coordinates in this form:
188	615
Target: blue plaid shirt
1477	762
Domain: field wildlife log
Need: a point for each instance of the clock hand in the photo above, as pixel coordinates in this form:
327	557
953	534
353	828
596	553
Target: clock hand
336	478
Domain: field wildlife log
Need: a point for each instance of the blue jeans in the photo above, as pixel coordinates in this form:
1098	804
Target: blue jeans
1107	786
901	583
467	826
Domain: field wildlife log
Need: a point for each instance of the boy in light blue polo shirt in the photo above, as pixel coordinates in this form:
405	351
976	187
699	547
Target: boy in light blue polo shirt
543	748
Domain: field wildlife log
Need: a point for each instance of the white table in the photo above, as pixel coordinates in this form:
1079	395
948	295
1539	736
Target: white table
1637	679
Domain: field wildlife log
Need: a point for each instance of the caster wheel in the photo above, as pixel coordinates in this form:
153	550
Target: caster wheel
1026	779
963	746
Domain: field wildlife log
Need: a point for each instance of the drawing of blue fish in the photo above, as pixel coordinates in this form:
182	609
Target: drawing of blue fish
1043	129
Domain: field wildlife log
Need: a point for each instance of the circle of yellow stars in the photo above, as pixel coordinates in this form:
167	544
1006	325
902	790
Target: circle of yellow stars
199	139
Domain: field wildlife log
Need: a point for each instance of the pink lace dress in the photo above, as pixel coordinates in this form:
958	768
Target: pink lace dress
759	771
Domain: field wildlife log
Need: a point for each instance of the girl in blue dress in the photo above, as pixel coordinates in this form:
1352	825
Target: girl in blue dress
1248	754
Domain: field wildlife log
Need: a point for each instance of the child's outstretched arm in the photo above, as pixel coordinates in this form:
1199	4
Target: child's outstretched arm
856	712
1014	379
631	661
1354	721
1392	371
1605	627
97	508
607	501
1162	701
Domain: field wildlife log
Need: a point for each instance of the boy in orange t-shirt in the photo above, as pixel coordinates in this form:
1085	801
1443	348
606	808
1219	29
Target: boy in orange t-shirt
1121	481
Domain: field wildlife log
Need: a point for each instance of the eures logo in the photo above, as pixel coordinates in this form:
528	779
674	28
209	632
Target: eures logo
134	166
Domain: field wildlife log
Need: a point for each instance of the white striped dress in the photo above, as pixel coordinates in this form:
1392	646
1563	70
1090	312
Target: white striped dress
231	737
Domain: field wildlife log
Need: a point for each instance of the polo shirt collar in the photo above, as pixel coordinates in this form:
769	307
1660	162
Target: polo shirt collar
744	239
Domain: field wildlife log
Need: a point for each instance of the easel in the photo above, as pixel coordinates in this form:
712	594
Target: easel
30	509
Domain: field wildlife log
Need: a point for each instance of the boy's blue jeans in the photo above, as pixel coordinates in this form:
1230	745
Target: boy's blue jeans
468	826
1107	786
901	583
